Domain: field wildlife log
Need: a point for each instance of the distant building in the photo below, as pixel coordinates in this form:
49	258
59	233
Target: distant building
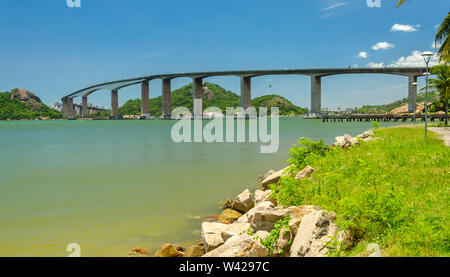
57	106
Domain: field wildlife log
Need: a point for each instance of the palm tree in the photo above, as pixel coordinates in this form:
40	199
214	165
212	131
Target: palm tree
441	37
441	84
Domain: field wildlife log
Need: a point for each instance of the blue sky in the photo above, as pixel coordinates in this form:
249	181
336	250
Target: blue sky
52	50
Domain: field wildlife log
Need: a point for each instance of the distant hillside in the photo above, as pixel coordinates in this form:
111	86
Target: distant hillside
381	109
22	104
213	96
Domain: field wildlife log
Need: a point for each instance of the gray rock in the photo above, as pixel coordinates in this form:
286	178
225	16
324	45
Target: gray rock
314	233
366	134
239	246
262	177
273	178
305	173
374	250
265	215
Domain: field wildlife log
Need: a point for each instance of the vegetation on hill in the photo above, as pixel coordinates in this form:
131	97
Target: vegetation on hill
30	107
381	109
393	191
213	96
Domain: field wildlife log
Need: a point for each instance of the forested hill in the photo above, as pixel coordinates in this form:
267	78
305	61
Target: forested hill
213	96
22	104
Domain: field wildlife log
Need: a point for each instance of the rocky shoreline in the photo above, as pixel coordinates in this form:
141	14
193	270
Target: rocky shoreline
254	225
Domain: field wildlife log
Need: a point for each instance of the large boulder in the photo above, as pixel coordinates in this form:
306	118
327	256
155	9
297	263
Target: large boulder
314	233
242	245
263	196
212	233
342	141
243	202
305	173
262	177
194	251
273	178
297	214
366	134
168	251
265	215
229	216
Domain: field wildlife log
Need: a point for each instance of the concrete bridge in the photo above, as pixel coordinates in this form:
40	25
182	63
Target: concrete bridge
246	76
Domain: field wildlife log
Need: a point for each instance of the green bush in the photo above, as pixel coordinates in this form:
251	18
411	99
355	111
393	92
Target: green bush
306	151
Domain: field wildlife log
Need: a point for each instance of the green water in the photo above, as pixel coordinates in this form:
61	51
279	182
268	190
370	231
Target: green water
111	186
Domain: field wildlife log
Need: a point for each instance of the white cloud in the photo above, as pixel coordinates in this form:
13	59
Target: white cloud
362	54
334	6
415	59
436	46
403	28
375	65
383	45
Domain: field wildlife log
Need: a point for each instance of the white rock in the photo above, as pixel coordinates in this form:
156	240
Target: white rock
274	177
313	234
262	196
265	215
374	250
239	246
212	233
243	202
297	213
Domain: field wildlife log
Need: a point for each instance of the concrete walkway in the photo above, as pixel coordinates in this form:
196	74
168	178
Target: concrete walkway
444	132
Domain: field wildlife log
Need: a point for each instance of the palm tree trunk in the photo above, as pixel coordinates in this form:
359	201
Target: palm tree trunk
446	105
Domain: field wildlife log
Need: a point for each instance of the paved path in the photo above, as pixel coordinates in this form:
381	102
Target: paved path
444	131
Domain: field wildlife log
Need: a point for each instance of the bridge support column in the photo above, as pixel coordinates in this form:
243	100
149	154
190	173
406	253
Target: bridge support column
412	93
65	107
145	99
246	92
84	107
166	98
70	109
114	104
197	92
316	94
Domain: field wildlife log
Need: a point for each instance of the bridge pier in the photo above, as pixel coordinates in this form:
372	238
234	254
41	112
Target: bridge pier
65	107
84	107
316	94
166	98
197	92
114	104
246	92
70	109
412	93
145	99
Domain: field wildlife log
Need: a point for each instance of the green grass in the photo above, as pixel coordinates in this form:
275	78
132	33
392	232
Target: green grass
393	191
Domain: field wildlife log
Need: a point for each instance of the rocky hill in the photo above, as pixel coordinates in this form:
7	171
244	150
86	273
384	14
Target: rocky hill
22	104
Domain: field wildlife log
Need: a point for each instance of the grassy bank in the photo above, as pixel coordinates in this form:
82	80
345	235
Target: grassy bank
393	191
